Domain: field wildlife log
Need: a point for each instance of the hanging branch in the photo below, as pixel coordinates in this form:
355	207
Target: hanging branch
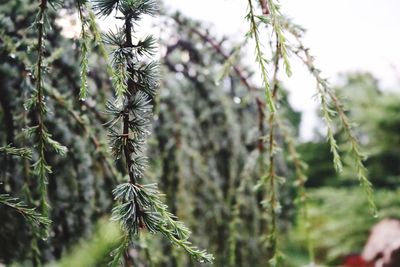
98	39
327	112
356	153
300	181
43	139
34	219
326	95
274	19
24	153
139	207
84	43
41	168
37	104
260	57
272	180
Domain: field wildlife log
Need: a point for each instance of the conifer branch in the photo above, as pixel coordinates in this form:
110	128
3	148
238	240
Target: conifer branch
41	169
327	112
24	153
358	157
98	39
260	57
300	181
274	19
84	43
272	178
139	207
34	219
326	95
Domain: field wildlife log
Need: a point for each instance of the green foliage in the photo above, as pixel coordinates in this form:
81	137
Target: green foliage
340	216
375	112
331	105
260	57
317	155
205	150
20	152
74	179
105	7
84	41
142	208
327	111
138	206
211	142
34	219
275	19
93	251
37	104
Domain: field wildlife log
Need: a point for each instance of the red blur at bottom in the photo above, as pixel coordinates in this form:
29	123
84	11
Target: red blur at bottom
355	261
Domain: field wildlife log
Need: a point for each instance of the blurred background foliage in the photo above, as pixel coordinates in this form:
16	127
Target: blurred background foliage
204	154
339	217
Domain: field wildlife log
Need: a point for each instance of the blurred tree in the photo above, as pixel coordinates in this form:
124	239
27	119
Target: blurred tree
376	113
339	216
376	122
317	154
341	221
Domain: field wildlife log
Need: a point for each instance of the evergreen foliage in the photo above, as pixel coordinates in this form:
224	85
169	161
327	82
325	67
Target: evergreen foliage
341	213
327	94
233	183
20	152
84	42
139	206
219	180
33	218
73	176
330	106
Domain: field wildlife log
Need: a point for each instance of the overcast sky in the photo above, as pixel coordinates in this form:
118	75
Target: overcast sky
344	35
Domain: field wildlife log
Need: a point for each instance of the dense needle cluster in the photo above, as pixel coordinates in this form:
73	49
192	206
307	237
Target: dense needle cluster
139	207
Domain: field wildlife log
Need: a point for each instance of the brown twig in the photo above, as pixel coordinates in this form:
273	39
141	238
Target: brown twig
272	176
131	92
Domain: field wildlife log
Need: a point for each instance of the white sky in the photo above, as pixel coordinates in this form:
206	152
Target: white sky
344	35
